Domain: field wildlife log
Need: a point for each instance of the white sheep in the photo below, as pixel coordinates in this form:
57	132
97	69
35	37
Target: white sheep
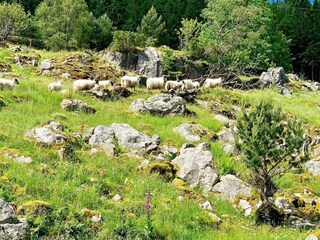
55	86
155	83
83	84
130	81
8	84
105	84
187	84
196	85
173	85
212	82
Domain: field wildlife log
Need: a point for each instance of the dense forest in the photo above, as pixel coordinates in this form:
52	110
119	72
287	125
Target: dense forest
228	35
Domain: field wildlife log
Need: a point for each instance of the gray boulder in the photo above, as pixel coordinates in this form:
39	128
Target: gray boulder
197	166
46	65
138	106
286	92
75	105
165	104
11	227
45	136
190	131
274	76
133	140
104	137
226	136
230	187
149	62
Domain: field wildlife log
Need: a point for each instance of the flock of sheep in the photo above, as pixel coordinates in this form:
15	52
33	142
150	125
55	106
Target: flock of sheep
126	82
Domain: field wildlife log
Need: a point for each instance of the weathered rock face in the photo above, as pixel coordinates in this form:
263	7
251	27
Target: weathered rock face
121	60
274	76
149	62
230	187
46	65
162	104
130	138
12	227
104	137
75	105
191	132
196	166
45	136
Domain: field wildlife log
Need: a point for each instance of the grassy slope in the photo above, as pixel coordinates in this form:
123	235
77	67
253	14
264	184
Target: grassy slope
78	185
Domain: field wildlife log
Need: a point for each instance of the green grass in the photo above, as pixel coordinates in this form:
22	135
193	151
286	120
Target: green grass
78	185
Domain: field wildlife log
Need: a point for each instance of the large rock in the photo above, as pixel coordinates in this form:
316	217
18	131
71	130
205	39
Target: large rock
104	137
133	140
196	166
45	136
75	105
12	227
274	76
191	132
230	187
165	104
313	166
149	62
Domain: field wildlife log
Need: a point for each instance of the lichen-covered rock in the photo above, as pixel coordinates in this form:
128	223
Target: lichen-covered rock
7	214
45	136
67	153
75	105
197	166
313	166
192	132
133	140
226	136
230	187
165	169
138	106
34	208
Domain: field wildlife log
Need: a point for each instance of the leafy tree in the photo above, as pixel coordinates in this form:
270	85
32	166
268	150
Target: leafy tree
188	34
270	146
64	24
126	41
13	20
152	26
102	32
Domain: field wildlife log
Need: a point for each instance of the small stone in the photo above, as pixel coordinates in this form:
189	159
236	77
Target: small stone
206	206
117	198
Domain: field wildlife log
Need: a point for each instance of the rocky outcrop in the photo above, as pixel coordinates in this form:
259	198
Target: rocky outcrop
11	227
274	76
149	62
74	105
230	187
162	105
197	166
192	132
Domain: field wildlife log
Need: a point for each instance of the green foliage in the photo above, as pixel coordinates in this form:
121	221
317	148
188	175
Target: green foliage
171	64
188	34
64	24
13	20
270	145
151	27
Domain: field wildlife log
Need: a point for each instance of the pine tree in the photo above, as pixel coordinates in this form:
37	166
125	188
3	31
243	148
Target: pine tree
152	26
270	146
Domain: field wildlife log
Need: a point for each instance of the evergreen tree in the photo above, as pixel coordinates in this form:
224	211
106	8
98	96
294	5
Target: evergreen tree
102	32
270	146
152	26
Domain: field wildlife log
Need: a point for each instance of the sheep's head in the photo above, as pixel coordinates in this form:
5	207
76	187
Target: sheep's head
15	80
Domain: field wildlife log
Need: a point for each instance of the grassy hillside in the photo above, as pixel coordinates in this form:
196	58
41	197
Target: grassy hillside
75	191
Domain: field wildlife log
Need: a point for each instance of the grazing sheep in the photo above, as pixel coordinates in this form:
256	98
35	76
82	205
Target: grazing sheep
212	82
103	85
83	84
187	84
8	84
155	83
173	85
55	86
130	81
